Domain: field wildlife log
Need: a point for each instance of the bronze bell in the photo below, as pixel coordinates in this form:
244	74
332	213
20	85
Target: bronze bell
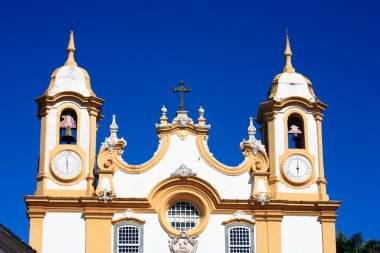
68	136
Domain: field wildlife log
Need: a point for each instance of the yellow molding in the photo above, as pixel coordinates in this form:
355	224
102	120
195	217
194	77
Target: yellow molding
128	219
249	162
107	159
232	220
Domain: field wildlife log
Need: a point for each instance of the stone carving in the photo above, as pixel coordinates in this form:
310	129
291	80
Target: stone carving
183	172
111	142
105	195
239	214
263	197
183	121
255	144
183	243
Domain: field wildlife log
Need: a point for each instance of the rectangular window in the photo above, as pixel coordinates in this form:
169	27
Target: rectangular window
128	239
239	240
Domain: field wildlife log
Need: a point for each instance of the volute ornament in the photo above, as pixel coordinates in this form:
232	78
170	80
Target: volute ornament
183	243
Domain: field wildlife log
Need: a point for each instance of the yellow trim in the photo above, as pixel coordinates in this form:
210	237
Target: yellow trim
128	219
193	190
105	157
328	231
321	181
98	232
36	225
245	220
227	170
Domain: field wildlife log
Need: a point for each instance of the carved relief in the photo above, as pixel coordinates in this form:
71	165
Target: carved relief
183	243
183	172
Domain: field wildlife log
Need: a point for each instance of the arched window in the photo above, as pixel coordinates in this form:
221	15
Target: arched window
128	238
296	133
68	127
239	238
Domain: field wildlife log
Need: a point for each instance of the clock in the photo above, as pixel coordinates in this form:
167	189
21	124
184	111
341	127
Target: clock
297	169
67	165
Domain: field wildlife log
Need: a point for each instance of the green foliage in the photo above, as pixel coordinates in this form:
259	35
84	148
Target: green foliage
356	244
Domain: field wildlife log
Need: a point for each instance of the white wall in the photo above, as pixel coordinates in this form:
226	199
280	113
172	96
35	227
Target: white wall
182	152
301	234
211	240
63	233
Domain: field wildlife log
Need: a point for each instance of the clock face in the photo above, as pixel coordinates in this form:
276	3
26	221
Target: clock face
67	164
297	168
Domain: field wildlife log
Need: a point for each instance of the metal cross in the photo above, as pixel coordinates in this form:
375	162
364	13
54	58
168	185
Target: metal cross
181	89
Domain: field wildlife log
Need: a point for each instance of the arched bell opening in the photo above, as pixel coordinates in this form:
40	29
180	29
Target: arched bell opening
296	132
68	127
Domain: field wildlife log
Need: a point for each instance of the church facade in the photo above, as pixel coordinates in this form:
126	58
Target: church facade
183	200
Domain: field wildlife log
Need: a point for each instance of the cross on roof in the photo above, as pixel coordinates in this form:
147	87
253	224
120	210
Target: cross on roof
181	89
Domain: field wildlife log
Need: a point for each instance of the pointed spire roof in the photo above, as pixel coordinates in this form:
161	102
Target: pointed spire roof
71	50
288	56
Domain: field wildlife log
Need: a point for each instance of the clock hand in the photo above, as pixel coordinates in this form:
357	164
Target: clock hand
298	169
67	165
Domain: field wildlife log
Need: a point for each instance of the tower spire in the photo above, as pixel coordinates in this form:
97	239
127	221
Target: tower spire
288	56
71	50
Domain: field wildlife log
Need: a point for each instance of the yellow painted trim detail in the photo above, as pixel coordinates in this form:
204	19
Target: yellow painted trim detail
227	170
232	220
106	157
128	219
194	190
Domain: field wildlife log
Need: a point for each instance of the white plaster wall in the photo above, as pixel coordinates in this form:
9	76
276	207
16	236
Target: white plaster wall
280	141
313	188
51	185
292	85
301	234
181	152
212	239
70	78
63	233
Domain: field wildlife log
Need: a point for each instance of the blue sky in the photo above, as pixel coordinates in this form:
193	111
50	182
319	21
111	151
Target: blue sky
227	51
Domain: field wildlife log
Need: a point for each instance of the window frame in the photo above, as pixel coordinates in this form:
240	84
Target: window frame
126	224
242	224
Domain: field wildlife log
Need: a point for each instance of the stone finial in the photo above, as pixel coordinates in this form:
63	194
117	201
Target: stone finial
71	50
114	128
201	119
163	118
251	130
288	56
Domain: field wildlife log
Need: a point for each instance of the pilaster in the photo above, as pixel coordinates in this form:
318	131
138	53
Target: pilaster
328	231
98	232
36	224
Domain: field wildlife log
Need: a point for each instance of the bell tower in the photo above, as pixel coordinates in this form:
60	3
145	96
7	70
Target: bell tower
291	121
69	111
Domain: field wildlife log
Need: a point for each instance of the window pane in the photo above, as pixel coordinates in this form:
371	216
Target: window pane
239	240
183	216
128	239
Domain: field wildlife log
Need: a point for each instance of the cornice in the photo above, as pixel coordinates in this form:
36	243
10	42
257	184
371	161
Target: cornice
274	106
